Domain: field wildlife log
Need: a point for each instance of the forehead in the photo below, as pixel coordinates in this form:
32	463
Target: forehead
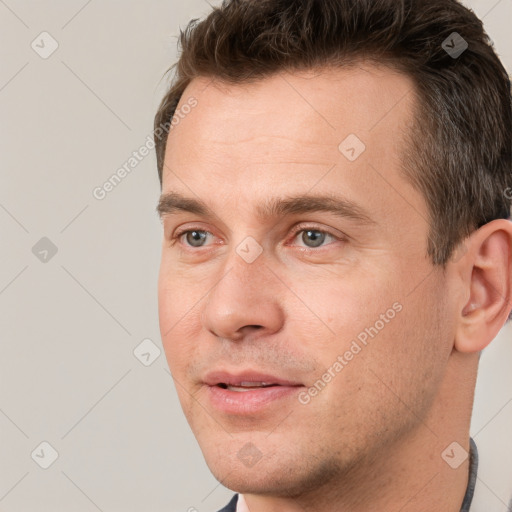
355	97
289	131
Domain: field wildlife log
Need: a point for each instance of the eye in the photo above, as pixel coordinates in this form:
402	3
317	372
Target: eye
312	237
193	237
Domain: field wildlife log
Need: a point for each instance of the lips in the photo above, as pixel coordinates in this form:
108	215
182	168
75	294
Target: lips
250	393
246	380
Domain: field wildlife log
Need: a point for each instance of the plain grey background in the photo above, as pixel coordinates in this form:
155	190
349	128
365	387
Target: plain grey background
78	274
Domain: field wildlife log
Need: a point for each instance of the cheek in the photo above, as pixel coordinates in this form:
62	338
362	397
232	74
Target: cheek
179	326
409	355
345	307
387	337
176	299
167	308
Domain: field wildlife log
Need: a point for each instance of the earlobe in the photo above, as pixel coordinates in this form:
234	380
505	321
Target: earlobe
488	283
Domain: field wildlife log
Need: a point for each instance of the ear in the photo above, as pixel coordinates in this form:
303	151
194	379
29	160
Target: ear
486	271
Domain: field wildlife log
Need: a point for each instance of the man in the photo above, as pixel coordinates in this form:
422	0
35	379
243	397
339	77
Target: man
336	189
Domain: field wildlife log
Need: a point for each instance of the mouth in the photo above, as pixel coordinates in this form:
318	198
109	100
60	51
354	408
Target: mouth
248	392
246	380
246	386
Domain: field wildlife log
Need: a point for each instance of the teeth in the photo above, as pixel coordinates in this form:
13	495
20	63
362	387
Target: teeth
247	386
237	388
254	384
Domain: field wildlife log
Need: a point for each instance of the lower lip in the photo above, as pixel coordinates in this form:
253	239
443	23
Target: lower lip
249	402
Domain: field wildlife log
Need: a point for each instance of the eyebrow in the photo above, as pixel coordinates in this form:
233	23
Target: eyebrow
172	203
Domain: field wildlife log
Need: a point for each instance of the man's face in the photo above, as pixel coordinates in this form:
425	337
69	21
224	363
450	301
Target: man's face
341	309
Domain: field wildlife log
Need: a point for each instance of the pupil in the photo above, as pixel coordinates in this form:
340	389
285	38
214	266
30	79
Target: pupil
196	236
317	239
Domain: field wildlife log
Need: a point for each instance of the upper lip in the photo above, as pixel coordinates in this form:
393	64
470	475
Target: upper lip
216	377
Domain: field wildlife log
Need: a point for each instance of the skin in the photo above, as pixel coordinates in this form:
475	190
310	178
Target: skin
372	439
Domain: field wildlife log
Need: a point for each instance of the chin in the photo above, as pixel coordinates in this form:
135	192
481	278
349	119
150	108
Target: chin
275	474
245	469
255	480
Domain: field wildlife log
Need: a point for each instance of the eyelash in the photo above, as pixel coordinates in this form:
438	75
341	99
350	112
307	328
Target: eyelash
296	231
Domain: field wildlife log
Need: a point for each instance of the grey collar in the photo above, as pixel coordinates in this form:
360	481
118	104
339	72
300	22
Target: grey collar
473	469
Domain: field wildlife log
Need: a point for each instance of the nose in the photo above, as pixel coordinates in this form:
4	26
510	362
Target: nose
244	301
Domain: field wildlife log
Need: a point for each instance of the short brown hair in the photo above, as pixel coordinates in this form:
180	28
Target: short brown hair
458	153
